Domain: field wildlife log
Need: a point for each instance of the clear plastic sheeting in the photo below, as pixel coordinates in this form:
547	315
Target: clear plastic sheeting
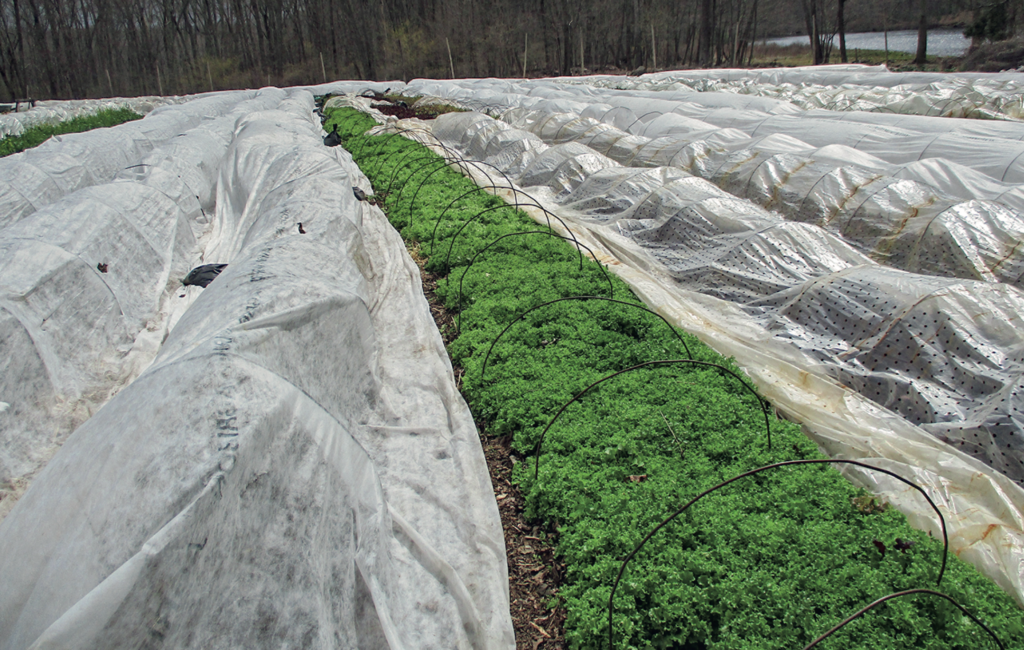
295	468
85	284
564	166
39	176
510	150
814	323
999	157
468	131
57	111
899	222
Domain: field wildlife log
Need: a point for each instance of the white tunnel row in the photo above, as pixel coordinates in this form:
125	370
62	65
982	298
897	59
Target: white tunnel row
848	88
281	455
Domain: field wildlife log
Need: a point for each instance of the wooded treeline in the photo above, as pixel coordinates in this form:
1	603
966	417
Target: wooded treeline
93	48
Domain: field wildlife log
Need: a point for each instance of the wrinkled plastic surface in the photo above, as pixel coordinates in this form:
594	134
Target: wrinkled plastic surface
848	88
812	322
296	467
947	356
898	216
84	286
39	176
992	147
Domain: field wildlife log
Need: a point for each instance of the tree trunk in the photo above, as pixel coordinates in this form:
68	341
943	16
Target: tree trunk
810	8
922	34
707	26
841	25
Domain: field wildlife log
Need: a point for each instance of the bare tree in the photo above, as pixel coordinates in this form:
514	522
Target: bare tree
841	26
922	33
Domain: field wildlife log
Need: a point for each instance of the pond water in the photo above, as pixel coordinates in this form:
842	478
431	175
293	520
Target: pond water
941	42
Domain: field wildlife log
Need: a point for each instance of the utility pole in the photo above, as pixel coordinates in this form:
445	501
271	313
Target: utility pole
450	63
526	49
654	48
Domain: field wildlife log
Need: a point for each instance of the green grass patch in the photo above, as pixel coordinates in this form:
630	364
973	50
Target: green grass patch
799	54
768	562
36	135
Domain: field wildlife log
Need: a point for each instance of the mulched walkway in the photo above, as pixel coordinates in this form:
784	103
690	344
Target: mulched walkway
534	573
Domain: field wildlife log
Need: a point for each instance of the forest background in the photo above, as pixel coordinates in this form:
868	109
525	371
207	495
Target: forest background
64	49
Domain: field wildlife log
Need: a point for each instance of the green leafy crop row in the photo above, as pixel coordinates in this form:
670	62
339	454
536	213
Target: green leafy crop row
36	135
770	561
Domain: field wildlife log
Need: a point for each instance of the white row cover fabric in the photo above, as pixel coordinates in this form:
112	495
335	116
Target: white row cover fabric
355	87
943	412
84	284
843	73
959	222
296	468
57	111
894	214
847	88
993	148
39	176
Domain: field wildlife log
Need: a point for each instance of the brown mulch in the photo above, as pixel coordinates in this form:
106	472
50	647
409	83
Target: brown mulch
534	573
406	112
401	112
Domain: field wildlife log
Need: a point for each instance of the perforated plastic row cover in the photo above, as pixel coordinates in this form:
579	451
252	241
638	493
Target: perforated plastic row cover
295	468
992	147
945	353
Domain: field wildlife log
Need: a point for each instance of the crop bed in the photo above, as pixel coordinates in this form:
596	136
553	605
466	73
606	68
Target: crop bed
36	135
772	560
403	107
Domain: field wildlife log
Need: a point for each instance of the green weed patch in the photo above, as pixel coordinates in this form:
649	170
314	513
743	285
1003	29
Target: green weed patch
769	561
36	135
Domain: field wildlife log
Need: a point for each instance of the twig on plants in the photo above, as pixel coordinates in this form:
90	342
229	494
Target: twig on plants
673	432
665	522
898	594
540	629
